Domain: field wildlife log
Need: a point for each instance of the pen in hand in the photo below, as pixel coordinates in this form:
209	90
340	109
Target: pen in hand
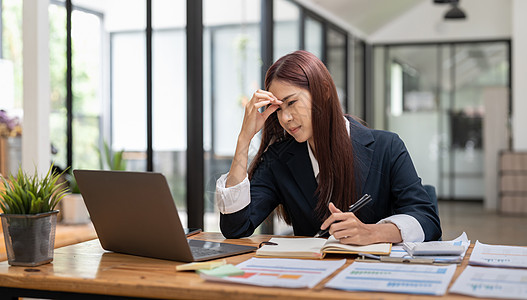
353	208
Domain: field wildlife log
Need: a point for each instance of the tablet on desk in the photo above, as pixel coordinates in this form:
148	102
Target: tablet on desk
134	213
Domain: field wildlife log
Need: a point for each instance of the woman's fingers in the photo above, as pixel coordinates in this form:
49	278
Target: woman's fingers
266	93
336	215
260	95
344	224
263	98
254	119
261	103
268	111
333	209
348	225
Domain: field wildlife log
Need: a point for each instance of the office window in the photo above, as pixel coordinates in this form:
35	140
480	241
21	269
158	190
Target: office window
170	96
286	28
87	81
336	62
57	69
86	35
313	36
11	76
11	56
356	88
232	70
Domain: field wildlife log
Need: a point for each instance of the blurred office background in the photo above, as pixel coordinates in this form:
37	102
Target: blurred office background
166	81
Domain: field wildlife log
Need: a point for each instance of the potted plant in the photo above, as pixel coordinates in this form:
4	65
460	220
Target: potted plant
29	217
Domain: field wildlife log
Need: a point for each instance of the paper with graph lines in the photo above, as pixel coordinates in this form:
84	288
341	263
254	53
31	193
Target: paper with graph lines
492	283
498	256
394	278
282	272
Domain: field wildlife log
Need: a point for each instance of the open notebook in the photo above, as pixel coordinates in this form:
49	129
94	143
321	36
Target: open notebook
316	248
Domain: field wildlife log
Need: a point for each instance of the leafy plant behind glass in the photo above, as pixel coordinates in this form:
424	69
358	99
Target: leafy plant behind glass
72	182
111	161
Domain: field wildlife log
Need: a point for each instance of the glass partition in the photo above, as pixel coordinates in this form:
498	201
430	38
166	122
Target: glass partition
435	100
413	105
474	68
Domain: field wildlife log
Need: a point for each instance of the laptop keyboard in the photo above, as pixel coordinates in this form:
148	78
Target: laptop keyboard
210	250
204	252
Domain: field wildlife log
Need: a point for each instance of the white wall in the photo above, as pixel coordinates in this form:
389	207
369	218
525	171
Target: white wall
494	126
519	75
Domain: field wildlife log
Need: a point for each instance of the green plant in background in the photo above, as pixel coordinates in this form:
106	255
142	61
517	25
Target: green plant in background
73	186
25	194
241	45
112	161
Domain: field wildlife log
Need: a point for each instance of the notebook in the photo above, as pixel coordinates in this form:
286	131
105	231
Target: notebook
134	213
316	248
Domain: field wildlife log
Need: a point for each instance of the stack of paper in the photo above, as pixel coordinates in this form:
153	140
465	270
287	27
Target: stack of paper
399	252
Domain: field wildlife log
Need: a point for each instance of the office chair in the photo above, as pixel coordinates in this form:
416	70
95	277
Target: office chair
431	191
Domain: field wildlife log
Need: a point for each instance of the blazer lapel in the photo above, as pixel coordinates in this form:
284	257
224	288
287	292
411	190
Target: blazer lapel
300	166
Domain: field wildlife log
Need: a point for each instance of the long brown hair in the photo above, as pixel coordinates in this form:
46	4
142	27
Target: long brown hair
334	151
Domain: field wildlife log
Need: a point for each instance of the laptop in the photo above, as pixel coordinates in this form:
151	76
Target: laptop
134	213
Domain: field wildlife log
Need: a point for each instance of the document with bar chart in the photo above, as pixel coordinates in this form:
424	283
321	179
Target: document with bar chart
492	283
282	272
394	278
498	256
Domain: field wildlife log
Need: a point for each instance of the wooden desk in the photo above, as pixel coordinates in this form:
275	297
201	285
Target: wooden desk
86	268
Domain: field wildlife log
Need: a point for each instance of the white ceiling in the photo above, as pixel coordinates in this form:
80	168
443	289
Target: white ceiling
367	15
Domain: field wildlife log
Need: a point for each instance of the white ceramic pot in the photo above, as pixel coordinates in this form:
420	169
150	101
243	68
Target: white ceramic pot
74	210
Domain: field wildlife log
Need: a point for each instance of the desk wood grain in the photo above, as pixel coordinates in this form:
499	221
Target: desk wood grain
87	268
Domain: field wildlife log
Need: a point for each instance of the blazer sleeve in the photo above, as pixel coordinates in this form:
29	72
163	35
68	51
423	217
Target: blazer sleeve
410	196
264	199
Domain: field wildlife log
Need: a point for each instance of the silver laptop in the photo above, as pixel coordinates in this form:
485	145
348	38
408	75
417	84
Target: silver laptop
134	213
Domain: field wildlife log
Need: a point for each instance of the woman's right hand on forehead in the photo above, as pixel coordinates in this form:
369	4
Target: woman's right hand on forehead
253	119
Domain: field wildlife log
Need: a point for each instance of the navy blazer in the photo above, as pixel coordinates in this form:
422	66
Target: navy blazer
383	169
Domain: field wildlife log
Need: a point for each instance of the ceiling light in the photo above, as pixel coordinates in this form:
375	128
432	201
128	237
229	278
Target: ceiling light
455	13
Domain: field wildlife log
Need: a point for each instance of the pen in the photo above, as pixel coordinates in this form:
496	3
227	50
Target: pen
353	208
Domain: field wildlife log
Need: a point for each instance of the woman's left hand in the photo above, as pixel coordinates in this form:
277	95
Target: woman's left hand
347	228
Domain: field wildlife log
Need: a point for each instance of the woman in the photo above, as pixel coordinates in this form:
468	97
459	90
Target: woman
314	162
